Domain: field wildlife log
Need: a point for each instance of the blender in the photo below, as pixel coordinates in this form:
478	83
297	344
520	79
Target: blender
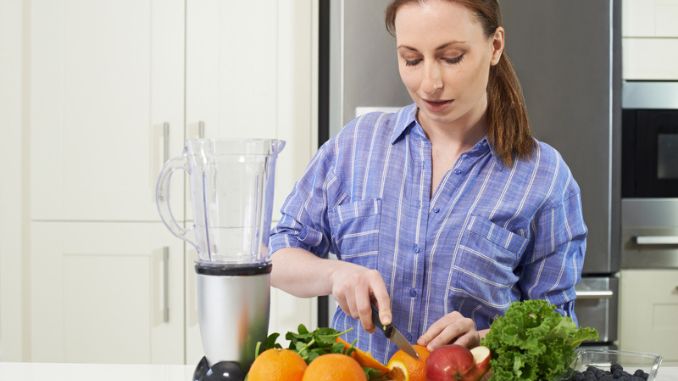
231	184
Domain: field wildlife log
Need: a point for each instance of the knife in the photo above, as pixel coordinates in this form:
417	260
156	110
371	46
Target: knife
392	333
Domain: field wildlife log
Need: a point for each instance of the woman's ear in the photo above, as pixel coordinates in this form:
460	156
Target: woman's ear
497	45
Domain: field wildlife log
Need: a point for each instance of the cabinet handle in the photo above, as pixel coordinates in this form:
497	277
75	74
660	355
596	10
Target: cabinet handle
201	129
657	240
165	284
165	141
602	294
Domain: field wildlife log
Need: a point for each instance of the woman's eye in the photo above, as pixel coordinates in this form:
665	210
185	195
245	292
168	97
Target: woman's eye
454	60
412	62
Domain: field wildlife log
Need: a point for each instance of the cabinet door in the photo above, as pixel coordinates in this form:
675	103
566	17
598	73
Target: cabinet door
648	309
106	293
106	77
251	72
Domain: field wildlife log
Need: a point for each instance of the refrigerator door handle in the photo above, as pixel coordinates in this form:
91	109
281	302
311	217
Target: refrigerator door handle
657	240
598	294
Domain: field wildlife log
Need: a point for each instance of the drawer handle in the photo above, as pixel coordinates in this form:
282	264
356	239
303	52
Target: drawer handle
589	295
657	240
165	284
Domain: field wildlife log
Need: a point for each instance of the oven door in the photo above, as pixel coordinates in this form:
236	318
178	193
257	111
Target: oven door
596	307
649	233
657	153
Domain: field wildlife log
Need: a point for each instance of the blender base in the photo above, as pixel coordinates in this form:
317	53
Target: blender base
224	370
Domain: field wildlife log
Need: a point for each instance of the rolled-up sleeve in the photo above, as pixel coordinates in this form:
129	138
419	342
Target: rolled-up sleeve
304	222
552	268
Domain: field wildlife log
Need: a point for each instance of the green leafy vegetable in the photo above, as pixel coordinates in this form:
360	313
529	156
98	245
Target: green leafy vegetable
533	342
322	341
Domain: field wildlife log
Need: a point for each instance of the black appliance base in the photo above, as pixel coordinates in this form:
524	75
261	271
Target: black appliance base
221	371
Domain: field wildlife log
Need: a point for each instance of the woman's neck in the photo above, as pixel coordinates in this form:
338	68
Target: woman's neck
460	135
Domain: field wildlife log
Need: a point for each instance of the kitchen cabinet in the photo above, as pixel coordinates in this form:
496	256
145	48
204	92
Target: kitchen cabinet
114	89
106	106
106	293
253	79
649	18
650	39
11	191
648	309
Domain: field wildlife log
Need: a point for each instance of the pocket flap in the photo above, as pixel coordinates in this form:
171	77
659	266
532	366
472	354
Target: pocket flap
496	234
356	209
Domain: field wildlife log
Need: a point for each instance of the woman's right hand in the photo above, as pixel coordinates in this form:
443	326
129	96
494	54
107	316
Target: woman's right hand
354	287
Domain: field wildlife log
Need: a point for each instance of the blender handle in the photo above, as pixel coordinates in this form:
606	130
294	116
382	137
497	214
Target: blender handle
162	190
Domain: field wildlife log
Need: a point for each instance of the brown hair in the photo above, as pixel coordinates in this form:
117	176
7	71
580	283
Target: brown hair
509	129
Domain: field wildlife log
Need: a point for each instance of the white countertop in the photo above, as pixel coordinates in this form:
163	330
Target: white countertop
19	371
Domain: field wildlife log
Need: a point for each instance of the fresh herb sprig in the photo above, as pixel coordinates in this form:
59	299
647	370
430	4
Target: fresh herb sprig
309	344
315	343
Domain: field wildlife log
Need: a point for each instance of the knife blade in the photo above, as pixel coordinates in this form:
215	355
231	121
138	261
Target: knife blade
392	333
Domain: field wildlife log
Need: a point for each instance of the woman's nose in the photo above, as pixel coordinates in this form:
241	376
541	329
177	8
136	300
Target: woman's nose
432	81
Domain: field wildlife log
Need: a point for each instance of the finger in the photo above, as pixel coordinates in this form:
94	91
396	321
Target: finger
446	336
350	302
362	301
434	330
341	301
469	340
378	289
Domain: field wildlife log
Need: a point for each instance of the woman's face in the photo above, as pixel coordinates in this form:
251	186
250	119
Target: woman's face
444	60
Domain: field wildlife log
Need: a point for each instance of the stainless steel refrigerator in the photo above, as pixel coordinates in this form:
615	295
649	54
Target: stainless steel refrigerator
567	56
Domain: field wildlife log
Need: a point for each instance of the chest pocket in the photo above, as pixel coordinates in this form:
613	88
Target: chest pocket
355	231
485	262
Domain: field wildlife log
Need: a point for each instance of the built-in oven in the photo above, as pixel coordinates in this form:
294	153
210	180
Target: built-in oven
650	175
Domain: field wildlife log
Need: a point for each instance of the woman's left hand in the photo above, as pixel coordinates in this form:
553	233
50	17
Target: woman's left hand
452	328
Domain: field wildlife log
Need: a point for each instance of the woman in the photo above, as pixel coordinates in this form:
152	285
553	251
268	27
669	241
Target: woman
444	212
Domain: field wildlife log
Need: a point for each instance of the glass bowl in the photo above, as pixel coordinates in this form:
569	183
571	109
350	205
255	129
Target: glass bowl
604	358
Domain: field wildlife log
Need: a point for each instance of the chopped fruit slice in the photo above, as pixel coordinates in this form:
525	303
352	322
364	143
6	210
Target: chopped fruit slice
406	368
363	358
398	371
481	356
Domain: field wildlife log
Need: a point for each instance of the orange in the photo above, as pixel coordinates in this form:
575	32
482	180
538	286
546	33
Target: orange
404	367
334	367
277	365
364	358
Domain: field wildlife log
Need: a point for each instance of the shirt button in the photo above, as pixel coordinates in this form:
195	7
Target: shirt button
457	171
436	210
416	249
408	336
413	292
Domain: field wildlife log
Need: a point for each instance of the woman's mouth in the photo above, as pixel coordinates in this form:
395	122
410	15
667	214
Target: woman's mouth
437	105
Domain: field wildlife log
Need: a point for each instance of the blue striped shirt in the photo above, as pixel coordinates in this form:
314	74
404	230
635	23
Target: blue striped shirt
488	236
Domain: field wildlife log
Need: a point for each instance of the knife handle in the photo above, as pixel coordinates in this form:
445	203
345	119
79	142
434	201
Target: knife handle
386	328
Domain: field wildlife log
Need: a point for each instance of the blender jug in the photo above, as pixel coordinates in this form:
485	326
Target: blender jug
231	184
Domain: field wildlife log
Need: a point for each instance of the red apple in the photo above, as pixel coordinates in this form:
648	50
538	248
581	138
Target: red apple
449	362
455	362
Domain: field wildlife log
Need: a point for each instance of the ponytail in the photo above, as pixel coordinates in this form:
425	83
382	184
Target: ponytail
509	128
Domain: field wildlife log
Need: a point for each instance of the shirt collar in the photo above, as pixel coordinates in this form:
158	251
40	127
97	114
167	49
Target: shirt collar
406	117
